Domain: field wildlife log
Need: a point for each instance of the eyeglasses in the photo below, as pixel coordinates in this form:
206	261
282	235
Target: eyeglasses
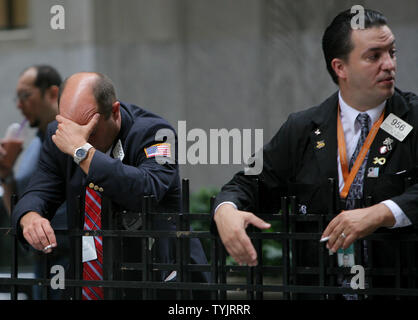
22	96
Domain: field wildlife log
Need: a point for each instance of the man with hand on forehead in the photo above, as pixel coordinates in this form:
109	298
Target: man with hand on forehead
99	147
364	136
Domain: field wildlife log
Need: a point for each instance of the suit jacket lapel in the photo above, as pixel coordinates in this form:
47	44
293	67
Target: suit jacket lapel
384	144
324	137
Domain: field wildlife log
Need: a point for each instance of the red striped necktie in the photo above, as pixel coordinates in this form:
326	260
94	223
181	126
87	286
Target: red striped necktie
93	270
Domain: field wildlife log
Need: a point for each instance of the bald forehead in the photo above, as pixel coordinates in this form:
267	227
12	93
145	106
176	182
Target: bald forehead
28	76
31	71
77	101
82	80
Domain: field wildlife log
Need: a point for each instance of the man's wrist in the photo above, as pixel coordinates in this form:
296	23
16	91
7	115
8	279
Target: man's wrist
77	146
225	204
401	219
81	153
387	218
27	217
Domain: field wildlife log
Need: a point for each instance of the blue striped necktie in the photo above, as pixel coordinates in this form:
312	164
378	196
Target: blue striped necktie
356	189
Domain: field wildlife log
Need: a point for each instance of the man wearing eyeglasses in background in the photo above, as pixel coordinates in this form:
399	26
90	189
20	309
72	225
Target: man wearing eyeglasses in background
37	99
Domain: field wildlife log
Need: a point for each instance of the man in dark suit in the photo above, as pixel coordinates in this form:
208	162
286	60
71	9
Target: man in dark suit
100	148
367	120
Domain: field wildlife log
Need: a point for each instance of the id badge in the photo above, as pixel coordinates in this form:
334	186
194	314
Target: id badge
89	249
346	257
396	127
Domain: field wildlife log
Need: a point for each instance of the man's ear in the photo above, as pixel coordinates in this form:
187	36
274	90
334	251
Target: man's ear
52	93
116	109
339	67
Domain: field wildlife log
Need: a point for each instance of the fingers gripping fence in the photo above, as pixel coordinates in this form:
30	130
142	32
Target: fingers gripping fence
290	277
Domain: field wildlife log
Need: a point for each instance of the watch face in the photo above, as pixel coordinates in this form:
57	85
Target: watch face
80	153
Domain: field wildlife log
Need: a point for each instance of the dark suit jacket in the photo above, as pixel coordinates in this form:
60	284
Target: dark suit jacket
293	164
123	182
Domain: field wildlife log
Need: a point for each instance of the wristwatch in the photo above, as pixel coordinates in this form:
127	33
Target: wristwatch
81	153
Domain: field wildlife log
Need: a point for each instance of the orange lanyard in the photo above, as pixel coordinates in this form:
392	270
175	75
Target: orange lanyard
349	176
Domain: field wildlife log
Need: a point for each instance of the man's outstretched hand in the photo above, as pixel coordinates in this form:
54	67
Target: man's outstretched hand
231	225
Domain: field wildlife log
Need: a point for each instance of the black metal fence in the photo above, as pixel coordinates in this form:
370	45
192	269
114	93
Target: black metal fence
289	278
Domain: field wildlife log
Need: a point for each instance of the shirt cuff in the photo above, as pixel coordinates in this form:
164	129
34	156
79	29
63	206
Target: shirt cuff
401	220
225	202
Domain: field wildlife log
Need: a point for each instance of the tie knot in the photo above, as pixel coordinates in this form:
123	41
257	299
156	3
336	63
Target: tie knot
363	119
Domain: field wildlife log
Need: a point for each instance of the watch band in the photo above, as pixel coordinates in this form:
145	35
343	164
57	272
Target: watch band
86	147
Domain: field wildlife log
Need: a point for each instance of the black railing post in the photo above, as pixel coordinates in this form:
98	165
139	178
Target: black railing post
285	246
122	273
258	245
77	246
368	255
293	261
410	249
410	264
250	278
145	245
332	211
186	227
259	269
179	254
213	256
45	275
222	268
109	268
14	264
398	268
322	253
151	241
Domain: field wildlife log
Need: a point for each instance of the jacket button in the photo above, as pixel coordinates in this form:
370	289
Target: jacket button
96	187
91	185
101	189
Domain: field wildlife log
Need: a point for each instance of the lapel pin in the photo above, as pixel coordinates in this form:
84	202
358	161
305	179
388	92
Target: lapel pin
373	172
320	144
383	149
380	161
302	209
388	143
317	132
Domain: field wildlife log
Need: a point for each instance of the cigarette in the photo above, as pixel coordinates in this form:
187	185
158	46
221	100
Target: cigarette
324	239
48	247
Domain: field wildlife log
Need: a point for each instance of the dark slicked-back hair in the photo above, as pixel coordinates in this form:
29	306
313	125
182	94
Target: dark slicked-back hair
336	42
46	77
103	91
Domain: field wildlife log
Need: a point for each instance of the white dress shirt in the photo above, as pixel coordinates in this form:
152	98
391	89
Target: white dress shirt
352	132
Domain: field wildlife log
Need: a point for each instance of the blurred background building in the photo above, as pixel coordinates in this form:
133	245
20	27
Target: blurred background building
214	63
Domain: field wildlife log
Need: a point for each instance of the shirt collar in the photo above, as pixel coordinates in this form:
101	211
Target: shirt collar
351	113
116	151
